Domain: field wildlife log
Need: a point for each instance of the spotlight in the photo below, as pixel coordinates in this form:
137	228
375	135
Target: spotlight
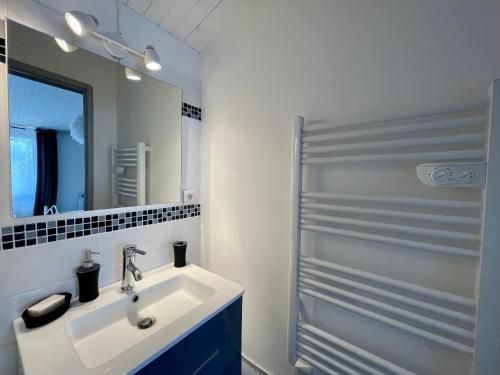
151	59
82	24
132	74
65	46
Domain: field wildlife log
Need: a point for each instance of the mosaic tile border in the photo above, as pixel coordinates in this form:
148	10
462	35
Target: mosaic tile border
2	50
191	111
22	235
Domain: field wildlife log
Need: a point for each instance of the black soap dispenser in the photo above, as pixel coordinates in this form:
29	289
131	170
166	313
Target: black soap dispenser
88	278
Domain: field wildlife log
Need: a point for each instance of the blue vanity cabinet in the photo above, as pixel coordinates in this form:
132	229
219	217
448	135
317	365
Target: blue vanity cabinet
214	348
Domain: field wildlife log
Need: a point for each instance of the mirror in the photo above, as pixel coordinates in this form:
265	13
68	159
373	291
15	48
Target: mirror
87	133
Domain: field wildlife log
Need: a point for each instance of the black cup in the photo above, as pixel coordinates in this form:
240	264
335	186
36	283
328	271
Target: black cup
180	253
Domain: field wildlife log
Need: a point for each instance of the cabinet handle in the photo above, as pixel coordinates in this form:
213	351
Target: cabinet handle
206	362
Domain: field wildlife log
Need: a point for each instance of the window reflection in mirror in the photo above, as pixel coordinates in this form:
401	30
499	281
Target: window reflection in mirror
47	140
83	135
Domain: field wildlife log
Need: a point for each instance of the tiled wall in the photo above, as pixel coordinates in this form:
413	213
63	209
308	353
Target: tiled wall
14	237
191	111
32	273
17	236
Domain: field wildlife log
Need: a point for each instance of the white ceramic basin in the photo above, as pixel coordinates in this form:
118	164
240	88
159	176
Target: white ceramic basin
104	333
102	336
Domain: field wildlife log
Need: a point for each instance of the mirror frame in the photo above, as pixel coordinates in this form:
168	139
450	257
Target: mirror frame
77	214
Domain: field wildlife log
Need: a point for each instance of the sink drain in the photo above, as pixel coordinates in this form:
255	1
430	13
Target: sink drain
146	323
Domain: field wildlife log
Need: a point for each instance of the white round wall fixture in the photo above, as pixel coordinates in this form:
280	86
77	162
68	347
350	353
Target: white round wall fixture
115	50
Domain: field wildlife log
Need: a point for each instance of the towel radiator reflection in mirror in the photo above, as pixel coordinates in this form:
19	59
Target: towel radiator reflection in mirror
128	166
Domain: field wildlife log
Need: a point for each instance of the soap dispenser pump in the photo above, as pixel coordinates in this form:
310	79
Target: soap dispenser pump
88	278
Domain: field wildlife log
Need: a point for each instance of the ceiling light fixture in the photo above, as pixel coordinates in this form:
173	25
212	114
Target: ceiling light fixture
132	74
65	46
83	24
151	58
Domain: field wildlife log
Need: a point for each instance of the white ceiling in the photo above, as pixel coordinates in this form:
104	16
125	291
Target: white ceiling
38	105
195	22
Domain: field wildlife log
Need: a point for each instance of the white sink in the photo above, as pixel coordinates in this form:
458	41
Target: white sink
106	332
102	336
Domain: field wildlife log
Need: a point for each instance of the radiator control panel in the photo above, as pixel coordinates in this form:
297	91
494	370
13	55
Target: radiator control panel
453	174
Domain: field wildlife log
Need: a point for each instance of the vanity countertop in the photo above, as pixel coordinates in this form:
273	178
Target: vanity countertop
98	337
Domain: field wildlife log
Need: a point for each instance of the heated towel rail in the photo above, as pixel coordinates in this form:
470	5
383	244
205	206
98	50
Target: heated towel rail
449	228
129	175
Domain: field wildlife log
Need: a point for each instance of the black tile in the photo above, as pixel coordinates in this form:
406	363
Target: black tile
8	245
31	242
41	233
18	228
19	236
70	235
61	229
7	238
70	221
78	220
51	231
61	223
30	226
20	243
52	238
40	225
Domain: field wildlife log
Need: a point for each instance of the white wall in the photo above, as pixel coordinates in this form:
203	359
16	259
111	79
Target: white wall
28	274
338	61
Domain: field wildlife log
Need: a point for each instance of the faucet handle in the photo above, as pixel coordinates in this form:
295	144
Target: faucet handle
130	250
138	251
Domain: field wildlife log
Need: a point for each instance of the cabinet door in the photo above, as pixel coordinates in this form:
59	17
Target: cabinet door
210	350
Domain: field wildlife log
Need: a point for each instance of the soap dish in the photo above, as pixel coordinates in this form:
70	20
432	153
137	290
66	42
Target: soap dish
38	321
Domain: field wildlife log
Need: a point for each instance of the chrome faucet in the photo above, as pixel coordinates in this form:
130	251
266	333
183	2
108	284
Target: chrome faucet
130	273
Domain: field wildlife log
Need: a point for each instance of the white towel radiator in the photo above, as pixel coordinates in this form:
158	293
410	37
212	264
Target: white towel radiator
386	283
129	175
